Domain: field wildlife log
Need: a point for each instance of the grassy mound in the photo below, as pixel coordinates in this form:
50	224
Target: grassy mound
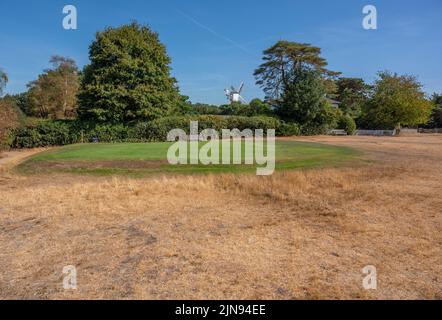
151	158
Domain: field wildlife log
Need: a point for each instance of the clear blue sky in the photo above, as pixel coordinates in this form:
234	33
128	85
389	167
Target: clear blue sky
214	44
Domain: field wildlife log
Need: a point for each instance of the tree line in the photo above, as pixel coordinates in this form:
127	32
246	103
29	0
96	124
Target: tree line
128	81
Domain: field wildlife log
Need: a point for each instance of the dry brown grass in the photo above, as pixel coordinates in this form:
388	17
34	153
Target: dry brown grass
295	235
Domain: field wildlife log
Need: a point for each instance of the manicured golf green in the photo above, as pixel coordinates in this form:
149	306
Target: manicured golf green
140	159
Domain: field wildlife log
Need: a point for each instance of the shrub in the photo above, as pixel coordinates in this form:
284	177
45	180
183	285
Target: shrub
107	133
348	124
55	133
157	130
324	120
288	129
25	137
47	133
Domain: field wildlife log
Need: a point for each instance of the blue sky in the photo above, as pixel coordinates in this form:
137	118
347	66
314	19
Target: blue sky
214	44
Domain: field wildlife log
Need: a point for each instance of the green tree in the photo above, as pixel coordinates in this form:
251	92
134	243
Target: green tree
303	102
54	94
21	100
282	60
204	109
128	77
397	100
233	109
347	123
258	107
184	106
3	80
353	94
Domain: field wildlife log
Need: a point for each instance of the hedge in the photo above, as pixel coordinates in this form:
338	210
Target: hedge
48	133
157	130
57	133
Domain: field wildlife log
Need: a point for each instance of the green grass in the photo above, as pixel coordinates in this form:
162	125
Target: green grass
289	155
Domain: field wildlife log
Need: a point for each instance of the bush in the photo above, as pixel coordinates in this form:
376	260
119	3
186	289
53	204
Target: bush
324	120
56	133
43	134
157	130
348	124
25	137
288	129
107	133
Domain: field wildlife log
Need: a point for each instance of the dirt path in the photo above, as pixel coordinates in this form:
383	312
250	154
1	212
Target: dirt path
9	159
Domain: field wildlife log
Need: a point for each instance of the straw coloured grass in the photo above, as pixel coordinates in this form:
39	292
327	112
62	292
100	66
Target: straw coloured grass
303	234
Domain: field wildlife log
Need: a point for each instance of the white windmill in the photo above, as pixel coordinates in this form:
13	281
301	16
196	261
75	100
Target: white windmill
234	95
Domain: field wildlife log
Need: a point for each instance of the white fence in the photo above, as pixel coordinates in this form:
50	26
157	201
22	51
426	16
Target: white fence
378	133
408	132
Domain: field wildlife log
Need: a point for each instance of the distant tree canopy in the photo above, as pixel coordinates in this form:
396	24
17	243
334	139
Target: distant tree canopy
204	109
258	107
21	100
281	63
128	82
128	77
352	93
254	108
3	80
54	94
397	100
295	80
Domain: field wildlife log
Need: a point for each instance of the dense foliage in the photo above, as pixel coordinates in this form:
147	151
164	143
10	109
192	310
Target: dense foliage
396	101
54	133
352	93
304	102
126	93
128	78
282	60
54	94
347	123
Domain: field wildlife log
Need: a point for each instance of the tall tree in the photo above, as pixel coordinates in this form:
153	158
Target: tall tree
397	100
128	77
54	94
259	107
282	60
353	94
304	102
3	80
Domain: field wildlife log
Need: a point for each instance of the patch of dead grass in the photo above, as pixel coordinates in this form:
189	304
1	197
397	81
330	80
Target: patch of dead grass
294	235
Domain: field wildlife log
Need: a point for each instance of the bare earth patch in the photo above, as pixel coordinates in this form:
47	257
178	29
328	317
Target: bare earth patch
42	166
294	235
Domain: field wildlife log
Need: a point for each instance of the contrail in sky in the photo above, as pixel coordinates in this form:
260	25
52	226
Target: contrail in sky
212	31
